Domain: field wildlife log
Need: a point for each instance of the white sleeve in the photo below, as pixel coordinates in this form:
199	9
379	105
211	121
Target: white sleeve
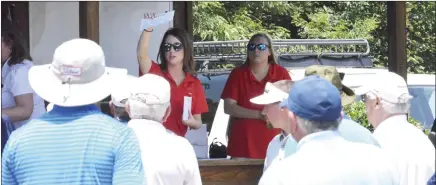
193	176
20	82
267	162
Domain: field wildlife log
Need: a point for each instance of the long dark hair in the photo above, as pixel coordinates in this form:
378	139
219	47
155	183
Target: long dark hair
272	58
188	54
19	52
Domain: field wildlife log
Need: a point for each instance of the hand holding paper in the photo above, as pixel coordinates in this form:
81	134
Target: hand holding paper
190	122
152	20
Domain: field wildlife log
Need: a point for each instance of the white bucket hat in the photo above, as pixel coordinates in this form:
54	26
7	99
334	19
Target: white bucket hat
77	76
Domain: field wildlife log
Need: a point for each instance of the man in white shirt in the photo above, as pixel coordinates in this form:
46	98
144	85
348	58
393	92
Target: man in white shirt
386	97
278	91
323	156
170	159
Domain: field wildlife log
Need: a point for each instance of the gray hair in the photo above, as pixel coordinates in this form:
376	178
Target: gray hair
154	112
317	126
393	108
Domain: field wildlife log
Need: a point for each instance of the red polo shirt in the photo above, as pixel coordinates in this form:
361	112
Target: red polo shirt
191	86
250	137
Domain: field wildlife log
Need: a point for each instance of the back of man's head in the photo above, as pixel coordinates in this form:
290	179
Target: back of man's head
316	103
119	97
149	98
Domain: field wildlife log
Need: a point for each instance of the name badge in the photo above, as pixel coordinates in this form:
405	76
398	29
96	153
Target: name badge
71	71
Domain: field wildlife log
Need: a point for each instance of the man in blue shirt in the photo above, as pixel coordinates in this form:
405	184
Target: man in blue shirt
75	143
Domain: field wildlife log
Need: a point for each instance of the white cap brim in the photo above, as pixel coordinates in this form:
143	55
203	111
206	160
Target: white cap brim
271	95
50	88
265	99
362	90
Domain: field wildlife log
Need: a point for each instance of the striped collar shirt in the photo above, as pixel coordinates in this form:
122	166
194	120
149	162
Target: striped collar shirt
75	146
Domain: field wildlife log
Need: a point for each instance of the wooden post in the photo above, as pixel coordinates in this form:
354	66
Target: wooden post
183	15
396	27
89	20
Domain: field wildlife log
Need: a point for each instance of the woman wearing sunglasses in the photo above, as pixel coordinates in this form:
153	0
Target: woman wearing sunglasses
249	134
177	66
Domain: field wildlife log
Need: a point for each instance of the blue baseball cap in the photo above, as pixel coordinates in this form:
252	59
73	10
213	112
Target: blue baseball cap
314	98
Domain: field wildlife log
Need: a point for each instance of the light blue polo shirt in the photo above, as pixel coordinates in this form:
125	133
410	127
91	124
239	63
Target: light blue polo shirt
74	146
349	129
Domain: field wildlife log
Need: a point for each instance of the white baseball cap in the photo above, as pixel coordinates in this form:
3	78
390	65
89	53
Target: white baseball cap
120	93
77	75
273	93
150	89
389	86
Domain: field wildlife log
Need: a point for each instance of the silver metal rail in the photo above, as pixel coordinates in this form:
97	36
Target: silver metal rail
225	51
289	47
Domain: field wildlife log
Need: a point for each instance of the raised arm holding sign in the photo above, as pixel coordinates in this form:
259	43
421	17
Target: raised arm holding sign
177	66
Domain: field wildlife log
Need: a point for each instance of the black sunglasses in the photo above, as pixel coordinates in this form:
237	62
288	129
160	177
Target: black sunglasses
176	46
260	47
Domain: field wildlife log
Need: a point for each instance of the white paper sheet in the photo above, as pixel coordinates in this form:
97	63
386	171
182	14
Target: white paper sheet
187	102
160	19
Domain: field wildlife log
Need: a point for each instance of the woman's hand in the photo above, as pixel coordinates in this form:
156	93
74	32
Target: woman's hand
192	122
149	16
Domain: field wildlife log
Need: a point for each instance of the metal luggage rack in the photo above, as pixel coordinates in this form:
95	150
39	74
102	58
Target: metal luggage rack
222	56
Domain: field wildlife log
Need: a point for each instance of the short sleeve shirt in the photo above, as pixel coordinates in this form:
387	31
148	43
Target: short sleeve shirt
15	81
250	137
191	86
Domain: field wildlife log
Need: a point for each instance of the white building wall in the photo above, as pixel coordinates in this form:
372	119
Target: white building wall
120	31
50	24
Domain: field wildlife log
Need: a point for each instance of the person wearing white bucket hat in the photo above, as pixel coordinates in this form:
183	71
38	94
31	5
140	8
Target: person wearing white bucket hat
75	143
386	97
149	107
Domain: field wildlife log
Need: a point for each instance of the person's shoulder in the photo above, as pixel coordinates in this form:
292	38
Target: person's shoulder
178	141
24	66
365	149
109	124
25	131
240	69
279	69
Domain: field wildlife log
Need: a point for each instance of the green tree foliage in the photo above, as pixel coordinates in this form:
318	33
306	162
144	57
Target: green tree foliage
234	20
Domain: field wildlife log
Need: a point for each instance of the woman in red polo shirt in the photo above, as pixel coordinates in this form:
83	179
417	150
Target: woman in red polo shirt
249	135
177	66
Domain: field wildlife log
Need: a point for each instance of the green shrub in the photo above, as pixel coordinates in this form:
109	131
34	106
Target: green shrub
357	112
